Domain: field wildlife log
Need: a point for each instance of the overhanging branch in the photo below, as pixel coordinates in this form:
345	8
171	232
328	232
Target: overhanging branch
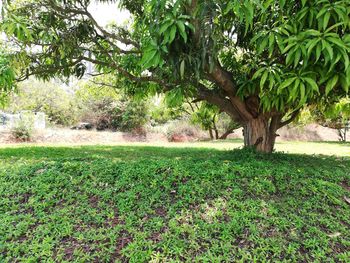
292	117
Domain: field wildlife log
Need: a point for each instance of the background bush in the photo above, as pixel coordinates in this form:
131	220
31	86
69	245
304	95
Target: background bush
105	108
23	128
58	104
183	130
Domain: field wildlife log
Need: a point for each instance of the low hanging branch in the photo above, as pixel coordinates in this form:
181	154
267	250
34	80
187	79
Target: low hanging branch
256	77
292	117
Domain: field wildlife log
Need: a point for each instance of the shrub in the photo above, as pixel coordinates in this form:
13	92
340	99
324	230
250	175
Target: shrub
134	116
218	124
23	128
161	113
59	106
105	108
183	131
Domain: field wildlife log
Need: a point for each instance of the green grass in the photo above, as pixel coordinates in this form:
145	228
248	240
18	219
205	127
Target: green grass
325	148
141	204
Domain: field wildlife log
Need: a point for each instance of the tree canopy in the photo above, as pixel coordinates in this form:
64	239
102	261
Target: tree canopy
260	61
7	77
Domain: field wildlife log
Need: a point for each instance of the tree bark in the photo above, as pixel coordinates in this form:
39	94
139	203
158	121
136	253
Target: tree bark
216	134
227	133
260	133
211	134
215	128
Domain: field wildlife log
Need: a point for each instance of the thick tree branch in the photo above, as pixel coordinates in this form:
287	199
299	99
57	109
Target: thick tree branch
220	101
292	117
224	80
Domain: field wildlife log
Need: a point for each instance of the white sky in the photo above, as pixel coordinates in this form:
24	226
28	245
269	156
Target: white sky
107	13
104	13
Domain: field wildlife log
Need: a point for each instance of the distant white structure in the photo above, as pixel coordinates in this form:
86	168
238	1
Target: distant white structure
35	119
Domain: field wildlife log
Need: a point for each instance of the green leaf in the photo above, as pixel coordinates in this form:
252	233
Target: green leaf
290	56
287	83
318	51
331	84
323	10
303	98
302	91
312	84
172	34
282	3
174	97
271	81
293	93
165	26
181	27
326	20
263	79
296	84
344	83
148	56
311	44
337	41
328	48
190	26
271	43
288	47
313	32
297	58
182	69
258	73
345	59
262	45
156	60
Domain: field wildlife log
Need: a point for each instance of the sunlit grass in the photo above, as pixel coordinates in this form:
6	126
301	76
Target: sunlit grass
199	203
299	147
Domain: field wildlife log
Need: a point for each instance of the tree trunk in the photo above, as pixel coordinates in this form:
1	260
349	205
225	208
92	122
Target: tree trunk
341	135
216	134
345	129
211	134
260	133
227	133
215	128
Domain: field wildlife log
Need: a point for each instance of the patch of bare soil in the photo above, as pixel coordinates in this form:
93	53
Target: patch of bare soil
61	135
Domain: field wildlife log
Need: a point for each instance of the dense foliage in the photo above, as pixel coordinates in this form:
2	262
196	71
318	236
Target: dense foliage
259	61
142	204
109	108
51	98
23	129
336	116
7	77
103	107
218	124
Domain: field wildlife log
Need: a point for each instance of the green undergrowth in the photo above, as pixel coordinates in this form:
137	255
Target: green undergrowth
141	204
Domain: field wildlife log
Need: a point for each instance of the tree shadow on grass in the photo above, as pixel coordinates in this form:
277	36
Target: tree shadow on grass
134	153
151	198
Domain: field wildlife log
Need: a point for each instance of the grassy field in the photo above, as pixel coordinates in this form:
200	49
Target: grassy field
141	204
324	148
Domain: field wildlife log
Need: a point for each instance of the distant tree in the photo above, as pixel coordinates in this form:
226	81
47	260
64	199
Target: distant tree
336	116
49	97
209	117
107	108
260	61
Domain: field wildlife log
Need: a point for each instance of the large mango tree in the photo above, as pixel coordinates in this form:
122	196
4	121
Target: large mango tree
260	61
